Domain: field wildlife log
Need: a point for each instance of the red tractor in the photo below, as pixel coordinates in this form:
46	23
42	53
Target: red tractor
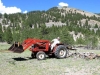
40	48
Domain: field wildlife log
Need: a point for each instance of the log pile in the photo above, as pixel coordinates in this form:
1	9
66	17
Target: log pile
84	55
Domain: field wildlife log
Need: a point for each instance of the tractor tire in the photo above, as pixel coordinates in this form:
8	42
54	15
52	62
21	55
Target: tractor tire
40	55
60	52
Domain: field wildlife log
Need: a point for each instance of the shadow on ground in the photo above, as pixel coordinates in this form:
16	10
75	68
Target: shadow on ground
29	58
22	59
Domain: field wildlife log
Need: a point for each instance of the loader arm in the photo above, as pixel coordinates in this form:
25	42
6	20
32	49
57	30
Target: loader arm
25	44
29	42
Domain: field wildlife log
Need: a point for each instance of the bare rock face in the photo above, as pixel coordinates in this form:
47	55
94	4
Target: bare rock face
74	10
76	36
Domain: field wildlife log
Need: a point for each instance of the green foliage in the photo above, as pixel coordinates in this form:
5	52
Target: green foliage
80	41
92	41
5	15
8	35
32	24
1	33
96	26
0	15
65	36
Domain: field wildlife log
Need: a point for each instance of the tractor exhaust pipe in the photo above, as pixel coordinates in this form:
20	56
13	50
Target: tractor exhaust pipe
16	48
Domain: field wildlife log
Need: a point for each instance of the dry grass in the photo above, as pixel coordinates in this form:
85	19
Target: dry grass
4	46
22	64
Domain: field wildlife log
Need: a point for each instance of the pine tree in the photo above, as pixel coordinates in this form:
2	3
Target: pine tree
8	35
80	41
65	36
1	33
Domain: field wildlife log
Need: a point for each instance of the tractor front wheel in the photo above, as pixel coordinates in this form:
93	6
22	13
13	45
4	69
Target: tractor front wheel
61	52
40	55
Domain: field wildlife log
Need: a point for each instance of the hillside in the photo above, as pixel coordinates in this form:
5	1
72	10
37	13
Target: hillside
74	26
54	16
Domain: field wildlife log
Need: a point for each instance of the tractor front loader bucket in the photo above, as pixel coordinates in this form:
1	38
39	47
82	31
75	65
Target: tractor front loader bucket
16	48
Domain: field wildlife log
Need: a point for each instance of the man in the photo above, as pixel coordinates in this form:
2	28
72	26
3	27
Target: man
54	42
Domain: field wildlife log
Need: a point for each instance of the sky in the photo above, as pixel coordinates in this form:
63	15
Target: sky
24	6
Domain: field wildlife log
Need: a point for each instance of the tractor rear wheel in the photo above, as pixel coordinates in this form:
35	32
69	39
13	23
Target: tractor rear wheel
40	55
61	52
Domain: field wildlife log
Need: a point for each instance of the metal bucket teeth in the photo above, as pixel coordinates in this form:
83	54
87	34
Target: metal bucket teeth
11	47
16	49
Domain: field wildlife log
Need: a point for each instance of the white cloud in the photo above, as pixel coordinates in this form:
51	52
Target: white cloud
25	11
8	10
61	4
